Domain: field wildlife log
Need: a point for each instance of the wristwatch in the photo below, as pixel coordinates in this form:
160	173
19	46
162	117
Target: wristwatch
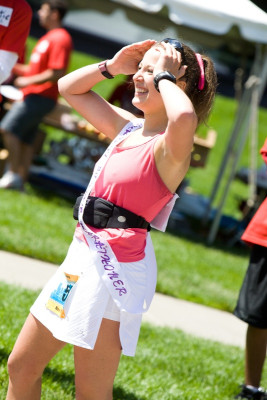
103	69
163	75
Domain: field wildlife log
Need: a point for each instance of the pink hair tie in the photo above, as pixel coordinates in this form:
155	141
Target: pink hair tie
201	81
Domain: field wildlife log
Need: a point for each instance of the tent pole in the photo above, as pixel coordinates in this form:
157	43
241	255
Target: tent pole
240	116
216	221
263	74
241	113
252	175
257	94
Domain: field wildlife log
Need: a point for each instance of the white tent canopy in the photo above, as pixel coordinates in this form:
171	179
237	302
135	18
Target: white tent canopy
216	17
238	23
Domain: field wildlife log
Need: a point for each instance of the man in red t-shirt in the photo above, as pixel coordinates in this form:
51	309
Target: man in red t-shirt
15	22
38	84
252	302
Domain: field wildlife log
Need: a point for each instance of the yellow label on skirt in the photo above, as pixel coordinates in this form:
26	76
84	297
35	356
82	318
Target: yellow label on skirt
58	297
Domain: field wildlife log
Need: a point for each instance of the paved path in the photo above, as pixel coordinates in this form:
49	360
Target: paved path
195	319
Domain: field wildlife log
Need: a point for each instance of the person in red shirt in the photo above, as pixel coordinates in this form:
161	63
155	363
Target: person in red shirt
252	302
15	22
38	84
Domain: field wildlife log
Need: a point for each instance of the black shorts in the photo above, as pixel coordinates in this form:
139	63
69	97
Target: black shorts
24	117
252	302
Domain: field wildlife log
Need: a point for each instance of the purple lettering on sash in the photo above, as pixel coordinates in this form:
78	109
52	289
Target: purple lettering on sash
105	257
117	283
102	252
131	128
108	268
99	244
121	291
113	275
106	261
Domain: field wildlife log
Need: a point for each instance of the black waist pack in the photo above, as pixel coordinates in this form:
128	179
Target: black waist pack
101	213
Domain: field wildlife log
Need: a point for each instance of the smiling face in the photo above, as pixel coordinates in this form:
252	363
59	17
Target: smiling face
146	97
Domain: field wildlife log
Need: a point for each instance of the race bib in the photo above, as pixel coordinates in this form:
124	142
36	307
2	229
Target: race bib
58	297
5	15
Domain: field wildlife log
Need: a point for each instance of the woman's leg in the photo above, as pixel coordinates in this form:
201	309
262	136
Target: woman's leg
95	370
255	355
34	348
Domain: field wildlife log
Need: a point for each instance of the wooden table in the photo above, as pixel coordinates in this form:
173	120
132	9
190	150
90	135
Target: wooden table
63	118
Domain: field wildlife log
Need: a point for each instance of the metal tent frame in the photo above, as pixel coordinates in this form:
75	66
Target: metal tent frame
246	121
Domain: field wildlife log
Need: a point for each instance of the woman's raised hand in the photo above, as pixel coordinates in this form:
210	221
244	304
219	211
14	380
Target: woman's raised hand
127	59
170	60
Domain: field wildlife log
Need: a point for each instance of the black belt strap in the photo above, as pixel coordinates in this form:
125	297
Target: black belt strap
101	213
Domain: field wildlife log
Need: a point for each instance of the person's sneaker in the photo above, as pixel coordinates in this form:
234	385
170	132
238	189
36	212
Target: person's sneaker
10	180
250	394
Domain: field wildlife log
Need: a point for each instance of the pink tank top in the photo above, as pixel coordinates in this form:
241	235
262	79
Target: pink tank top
130	179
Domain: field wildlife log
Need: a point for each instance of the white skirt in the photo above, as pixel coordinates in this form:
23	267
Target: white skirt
74	301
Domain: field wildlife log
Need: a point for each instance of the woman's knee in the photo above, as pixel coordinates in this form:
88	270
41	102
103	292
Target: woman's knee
22	369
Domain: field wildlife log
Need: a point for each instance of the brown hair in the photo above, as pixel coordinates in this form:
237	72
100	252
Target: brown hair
202	100
61	6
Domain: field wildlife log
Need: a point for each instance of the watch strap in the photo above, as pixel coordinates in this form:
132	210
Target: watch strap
163	75
103	69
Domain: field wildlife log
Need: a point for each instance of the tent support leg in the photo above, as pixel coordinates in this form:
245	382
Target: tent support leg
259	85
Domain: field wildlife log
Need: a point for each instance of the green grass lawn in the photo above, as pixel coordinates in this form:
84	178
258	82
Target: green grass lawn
169	365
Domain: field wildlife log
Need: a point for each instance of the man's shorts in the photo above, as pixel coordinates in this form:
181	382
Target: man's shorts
252	302
24	117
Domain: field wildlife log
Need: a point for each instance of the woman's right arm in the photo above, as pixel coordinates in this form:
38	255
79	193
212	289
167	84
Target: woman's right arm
76	89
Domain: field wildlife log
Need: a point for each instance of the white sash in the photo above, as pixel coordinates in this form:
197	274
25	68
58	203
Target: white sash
105	260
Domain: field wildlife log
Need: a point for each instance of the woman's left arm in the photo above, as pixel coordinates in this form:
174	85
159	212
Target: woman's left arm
182	122
182	119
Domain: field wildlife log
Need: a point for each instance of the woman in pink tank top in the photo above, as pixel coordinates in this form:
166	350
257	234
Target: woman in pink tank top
96	299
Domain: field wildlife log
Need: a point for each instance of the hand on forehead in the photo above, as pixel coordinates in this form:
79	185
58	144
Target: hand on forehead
165	50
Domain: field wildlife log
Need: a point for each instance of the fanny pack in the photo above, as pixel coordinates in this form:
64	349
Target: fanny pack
101	213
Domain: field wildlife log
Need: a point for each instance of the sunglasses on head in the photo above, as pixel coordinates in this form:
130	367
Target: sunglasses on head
175	43
179	47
